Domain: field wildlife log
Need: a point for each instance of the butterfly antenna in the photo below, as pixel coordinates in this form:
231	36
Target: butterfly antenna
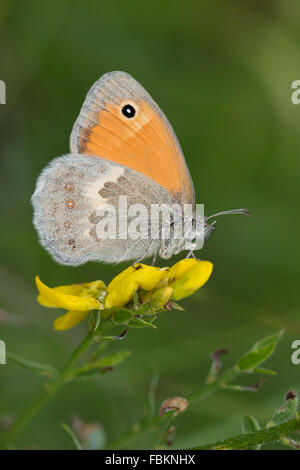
233	211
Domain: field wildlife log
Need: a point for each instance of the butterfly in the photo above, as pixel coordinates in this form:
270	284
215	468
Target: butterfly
121	145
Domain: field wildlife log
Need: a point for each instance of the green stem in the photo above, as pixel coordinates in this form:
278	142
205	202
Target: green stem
79	351
248	440
64	376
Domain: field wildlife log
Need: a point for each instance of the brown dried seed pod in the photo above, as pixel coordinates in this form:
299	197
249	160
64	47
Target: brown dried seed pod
178	404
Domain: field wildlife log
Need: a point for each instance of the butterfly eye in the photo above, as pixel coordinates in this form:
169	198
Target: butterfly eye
128	111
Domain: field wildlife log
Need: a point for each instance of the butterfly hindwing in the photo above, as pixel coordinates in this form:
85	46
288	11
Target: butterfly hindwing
69	193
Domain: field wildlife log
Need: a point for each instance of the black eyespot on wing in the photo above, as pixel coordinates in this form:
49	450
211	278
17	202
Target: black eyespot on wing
128	111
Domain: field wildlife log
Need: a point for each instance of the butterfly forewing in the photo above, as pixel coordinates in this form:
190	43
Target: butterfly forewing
120	122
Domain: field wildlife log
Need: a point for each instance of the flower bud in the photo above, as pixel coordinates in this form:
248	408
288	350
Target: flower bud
160	297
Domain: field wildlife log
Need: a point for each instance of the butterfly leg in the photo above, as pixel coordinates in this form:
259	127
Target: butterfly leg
154	259
149	250
191	254
135	263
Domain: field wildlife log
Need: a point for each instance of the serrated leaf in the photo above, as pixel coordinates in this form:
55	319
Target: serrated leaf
259	353
286	411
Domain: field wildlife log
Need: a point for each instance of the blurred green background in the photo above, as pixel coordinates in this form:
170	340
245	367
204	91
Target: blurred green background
222	72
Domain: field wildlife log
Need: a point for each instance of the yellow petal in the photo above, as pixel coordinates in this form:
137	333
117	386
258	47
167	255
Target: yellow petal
51	298
71	289
120	295
69	319
85	289
45	302
122	288
148	275
178	269
120	277
193	278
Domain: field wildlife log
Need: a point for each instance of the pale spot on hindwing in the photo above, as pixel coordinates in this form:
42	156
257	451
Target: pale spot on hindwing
93	190
69	187
70	203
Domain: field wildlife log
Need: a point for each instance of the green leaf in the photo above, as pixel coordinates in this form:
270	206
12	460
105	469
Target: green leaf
123	315
135	300
176	306
259	353
113	360
250	424
244	388
145	309
286	411
41	369
255	357
139	323
107	361
72	436
268	340
259	370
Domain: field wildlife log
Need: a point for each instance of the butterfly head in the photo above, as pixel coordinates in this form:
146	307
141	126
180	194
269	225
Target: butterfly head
194	236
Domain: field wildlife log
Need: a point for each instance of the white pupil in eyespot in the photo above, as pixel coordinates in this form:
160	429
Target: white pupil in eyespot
128	110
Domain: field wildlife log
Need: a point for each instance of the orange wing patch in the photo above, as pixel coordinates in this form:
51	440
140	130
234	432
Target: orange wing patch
144	142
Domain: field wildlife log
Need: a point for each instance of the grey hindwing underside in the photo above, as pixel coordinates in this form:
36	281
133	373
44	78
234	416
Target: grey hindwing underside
68	193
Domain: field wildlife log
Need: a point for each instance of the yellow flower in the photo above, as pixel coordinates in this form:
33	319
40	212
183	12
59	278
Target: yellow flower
122	288
156	286
188	276
79	299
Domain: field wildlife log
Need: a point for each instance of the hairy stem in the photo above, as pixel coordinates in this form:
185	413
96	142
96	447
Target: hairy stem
254	438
